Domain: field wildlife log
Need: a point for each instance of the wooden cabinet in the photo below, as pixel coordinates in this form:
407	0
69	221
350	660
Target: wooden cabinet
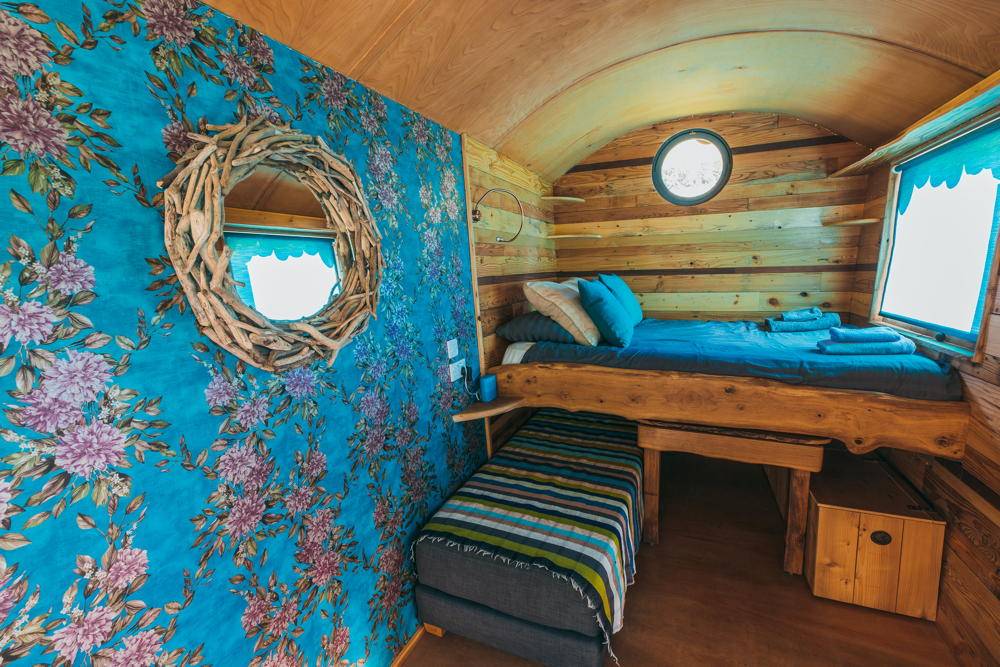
871	540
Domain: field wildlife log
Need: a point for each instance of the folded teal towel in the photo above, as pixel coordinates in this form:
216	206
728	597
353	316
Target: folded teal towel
825	322
869	335
901	346
802	314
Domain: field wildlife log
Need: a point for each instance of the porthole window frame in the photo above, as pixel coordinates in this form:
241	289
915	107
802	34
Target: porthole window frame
697	132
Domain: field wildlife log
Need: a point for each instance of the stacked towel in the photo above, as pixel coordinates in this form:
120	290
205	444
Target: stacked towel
802	314
824	321
901	346
869	335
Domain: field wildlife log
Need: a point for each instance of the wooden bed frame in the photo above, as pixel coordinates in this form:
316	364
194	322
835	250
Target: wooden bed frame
862	420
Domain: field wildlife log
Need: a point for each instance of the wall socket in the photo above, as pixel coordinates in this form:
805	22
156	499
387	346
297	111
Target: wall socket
455	369
452	348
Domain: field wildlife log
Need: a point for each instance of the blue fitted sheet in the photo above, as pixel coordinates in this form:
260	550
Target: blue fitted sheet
746	349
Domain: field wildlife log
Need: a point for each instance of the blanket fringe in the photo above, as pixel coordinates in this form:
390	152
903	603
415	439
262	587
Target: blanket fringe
522	565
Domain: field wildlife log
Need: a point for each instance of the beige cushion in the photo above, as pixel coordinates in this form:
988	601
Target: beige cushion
561	302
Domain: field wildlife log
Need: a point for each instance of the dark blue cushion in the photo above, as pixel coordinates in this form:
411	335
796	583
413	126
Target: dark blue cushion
609	315
626	297
534	327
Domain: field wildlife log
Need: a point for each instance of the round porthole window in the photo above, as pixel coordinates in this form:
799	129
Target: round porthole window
691	167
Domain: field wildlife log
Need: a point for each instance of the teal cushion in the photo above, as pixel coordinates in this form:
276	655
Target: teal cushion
624	294
534	327
607	312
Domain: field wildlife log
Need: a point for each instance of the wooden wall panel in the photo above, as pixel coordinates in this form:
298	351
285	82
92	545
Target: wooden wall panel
768	242
503	268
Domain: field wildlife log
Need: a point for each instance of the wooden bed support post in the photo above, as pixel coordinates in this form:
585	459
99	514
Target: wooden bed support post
862	420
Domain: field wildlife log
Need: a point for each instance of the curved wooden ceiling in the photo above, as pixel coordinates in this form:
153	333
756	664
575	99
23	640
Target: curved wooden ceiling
549	82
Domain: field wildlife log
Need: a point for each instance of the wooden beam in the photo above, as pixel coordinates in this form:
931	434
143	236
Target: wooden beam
862	420
979	103
244	216
858	221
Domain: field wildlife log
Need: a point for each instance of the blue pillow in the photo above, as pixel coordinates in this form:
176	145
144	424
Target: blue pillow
534	327
624	294
609	315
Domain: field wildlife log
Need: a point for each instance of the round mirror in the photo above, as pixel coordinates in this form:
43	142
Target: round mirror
272	242
691	167
286	263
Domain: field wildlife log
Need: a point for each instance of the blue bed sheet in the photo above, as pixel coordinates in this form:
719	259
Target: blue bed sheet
746	349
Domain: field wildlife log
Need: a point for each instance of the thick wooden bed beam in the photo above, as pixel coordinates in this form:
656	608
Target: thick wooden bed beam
862	420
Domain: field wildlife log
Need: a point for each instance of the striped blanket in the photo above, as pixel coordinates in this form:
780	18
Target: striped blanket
564	494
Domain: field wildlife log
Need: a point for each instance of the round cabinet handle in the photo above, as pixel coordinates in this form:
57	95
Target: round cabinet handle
881	537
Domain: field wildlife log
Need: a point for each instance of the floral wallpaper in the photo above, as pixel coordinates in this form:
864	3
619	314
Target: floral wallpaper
160	502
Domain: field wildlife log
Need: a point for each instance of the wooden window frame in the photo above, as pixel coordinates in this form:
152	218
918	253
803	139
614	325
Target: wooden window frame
928	338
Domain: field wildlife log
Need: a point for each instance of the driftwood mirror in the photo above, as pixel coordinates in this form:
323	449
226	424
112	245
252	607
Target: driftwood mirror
273	243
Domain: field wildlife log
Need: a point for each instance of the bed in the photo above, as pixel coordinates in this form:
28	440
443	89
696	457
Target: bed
737	375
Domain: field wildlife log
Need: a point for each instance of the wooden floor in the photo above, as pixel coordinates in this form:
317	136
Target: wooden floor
712	592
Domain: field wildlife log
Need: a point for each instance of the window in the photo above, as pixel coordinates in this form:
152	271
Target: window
943	237
283	277
691	167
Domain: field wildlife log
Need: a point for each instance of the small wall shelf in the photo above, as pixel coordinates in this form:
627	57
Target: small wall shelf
563	199
494	408
845	223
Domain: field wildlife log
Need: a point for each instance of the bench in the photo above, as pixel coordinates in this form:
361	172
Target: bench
534	553
800	455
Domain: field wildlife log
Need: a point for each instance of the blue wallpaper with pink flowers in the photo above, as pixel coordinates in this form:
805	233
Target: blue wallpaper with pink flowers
161	503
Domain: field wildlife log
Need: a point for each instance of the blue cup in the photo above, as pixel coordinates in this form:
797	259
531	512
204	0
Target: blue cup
487	388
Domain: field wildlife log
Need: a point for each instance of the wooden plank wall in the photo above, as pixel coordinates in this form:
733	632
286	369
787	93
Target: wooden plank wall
503	268
759	247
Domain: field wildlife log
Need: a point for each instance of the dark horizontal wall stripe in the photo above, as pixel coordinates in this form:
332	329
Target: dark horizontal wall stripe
741	150
721	271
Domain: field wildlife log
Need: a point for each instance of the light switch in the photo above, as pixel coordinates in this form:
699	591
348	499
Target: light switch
455	370
452	348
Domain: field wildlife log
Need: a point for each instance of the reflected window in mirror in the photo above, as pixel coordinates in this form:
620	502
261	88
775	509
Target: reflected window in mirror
286	262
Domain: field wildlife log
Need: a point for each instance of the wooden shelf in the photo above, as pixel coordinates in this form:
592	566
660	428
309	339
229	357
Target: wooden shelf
560	199
978	103
845	223
495	407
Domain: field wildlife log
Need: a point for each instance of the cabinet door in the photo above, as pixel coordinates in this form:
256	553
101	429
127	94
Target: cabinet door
880	539
836	547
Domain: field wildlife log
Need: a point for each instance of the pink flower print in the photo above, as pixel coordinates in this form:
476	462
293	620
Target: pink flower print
252	412
6	495
300	382
69	275
254	614
337	643
90	448
25	321
47	413
140	649
258	49
334	90
170	20
10	595
286	614
315	466
240	464
238	71
390	562
175	138
23	50
280	660
78	378
126	566
299	500
220	392
29	128
84	632
245	514
325	566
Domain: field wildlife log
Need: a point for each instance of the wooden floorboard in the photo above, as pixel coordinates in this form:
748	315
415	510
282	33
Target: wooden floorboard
712	592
